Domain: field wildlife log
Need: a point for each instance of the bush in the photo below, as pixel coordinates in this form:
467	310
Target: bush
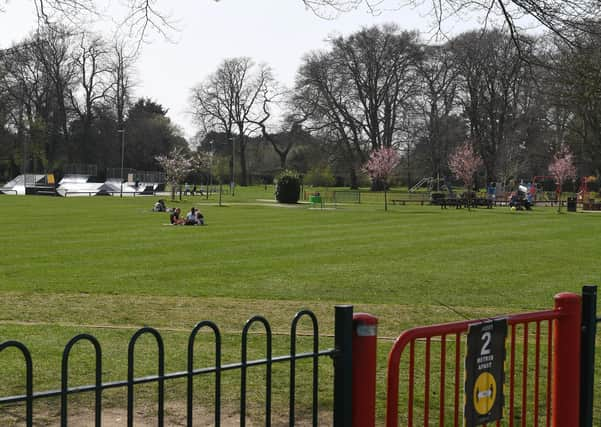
320	176
288	187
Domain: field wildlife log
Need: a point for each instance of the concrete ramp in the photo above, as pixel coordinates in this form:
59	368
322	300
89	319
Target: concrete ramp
17	185
74	179
79	189
77	185
113	186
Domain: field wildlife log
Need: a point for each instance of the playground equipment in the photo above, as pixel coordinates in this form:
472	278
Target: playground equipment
543	190
583	190
433	184
584	194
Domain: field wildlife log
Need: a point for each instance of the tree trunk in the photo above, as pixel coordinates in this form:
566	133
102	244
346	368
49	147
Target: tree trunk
283	156
243	171
354	180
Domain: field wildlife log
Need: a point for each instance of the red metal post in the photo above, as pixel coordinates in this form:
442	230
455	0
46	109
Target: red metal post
364	369
566	358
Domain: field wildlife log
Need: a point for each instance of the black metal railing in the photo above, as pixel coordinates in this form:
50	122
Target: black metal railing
346	196
341	354
587	354
67	193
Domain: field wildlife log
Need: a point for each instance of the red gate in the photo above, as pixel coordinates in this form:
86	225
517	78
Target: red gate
543	369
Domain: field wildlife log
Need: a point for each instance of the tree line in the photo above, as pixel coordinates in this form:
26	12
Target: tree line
66	97
516	103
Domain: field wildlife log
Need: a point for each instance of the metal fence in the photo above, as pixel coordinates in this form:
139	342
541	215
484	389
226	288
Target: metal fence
587	355
542	384
346	196
136	175
340	354
81	169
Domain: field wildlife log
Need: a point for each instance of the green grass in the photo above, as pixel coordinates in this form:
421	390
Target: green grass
108	266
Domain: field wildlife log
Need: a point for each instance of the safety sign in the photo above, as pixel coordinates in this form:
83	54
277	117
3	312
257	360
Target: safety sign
484	372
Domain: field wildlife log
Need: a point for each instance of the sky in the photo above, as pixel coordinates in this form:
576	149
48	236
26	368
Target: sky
275	32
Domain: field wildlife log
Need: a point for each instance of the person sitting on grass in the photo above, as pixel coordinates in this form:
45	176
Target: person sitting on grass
174	217
191	218
160	206
200	219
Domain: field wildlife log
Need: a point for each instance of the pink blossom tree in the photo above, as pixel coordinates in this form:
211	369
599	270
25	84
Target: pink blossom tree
177	165
464	162
380	165
562	168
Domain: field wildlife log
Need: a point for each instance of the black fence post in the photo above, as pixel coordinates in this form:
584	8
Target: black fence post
587	354
343	366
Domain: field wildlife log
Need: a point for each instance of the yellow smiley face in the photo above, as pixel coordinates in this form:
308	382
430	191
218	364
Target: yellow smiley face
485	393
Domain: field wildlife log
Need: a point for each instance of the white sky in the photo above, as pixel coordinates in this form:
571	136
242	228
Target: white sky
277	32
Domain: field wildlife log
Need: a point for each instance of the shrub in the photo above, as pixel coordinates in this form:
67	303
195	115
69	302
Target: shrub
320	176
288	187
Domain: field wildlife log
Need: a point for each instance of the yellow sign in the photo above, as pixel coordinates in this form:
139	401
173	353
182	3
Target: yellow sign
485	393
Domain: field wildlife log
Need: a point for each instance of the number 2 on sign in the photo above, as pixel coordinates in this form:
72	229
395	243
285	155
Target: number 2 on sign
486	337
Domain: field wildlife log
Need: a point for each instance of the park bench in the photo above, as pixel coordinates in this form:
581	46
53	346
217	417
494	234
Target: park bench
461	202
405	198
405	201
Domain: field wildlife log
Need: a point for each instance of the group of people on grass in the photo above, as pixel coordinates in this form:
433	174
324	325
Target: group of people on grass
194	217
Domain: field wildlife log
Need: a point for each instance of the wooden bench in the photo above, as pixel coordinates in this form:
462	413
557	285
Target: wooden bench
405	201
463	202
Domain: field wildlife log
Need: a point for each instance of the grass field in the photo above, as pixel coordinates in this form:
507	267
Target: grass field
108	266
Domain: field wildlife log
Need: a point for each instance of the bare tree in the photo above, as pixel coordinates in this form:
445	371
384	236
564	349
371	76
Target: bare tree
380	65
574	87
141	17
565	18
568	19
289	135
212	106
491	74
438	101
93	69
23	90
121	64
362	90
290	131
321	89
54	51
36	76
232	100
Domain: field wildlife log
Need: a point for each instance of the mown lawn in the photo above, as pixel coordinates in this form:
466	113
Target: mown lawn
108	266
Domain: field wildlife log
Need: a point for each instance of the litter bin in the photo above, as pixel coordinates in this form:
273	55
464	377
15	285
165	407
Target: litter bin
571	204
